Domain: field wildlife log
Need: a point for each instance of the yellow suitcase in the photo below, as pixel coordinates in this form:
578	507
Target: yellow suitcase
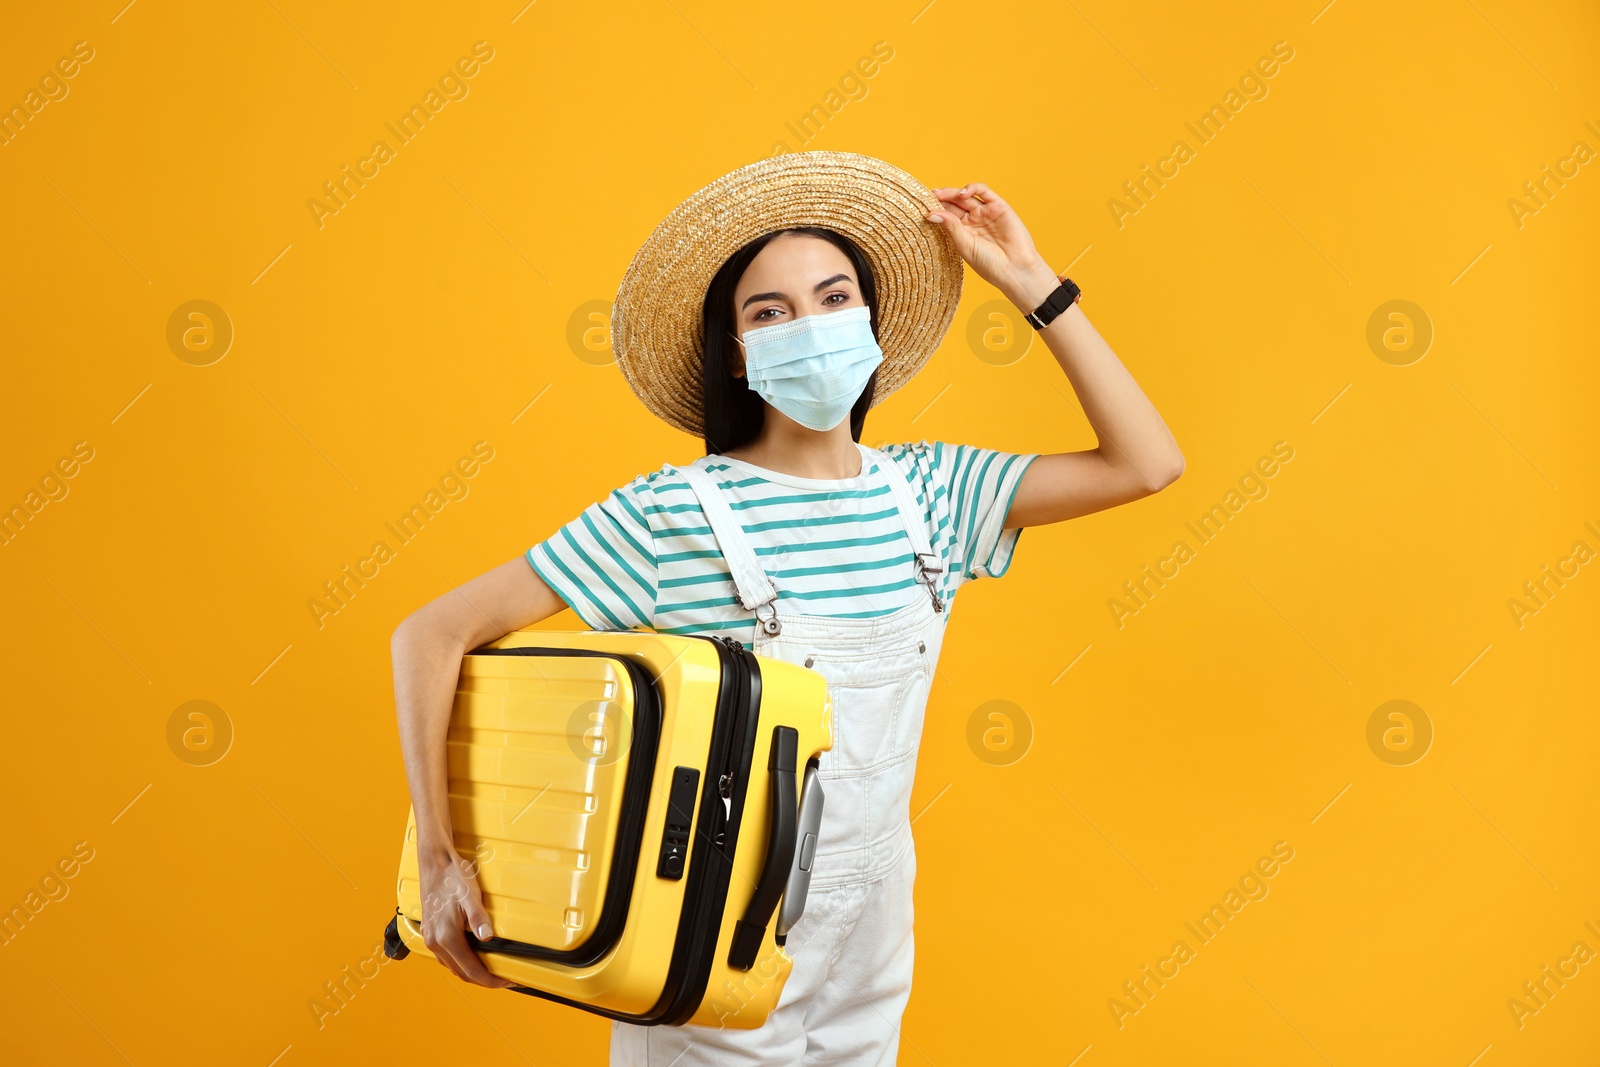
634	804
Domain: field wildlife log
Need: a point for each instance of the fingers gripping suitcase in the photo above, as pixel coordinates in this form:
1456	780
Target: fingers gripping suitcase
633	804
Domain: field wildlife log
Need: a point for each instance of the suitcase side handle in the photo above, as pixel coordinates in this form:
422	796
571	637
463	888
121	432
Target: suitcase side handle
782	829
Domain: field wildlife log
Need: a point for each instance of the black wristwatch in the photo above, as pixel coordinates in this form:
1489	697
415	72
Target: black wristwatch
1065	296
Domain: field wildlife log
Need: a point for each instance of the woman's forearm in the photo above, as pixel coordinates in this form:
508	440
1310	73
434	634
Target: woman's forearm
427	649
427	663
1132	434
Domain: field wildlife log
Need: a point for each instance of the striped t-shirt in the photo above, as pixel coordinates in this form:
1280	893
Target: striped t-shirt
645	557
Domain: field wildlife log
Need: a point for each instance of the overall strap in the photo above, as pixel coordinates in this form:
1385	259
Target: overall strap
928	562
755	588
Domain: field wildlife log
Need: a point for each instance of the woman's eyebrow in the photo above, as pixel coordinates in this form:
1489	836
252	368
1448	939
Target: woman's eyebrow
784	296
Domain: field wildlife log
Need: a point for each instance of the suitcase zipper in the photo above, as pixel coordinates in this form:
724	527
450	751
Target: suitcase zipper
731	763
725	791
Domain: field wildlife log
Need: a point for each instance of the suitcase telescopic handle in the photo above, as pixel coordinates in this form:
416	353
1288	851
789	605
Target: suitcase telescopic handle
782	829
794	897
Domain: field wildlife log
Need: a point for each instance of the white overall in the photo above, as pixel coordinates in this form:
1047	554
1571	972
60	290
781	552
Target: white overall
852	949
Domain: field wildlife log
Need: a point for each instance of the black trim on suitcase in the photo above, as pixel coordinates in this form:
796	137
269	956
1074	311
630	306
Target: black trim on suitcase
644	744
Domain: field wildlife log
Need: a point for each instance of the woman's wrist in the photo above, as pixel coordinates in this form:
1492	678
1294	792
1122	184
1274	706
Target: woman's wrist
1031	286
435	854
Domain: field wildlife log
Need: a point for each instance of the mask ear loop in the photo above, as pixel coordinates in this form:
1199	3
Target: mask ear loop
744	350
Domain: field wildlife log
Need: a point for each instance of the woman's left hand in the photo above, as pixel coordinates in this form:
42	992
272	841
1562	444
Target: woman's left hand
991	237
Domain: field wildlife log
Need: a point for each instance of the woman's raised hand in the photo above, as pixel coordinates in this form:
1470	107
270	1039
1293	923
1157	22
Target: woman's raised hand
991	238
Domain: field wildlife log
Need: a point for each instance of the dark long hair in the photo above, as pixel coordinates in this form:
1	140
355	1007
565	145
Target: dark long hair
733	411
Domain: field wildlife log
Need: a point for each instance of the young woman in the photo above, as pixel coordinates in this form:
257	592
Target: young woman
794	537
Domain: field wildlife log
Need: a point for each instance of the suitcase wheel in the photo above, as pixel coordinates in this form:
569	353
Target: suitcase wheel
393	946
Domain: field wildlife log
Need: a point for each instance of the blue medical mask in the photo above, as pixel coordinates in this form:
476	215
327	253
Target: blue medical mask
813	368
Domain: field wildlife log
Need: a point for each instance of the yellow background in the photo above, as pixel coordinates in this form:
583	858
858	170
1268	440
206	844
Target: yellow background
1228	714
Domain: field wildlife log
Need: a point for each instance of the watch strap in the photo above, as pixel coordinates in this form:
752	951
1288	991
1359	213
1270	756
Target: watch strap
1065	295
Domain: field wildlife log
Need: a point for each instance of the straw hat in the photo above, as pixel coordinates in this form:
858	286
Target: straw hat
656	320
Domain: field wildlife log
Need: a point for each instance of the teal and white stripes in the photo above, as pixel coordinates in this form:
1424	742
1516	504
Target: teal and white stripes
645	557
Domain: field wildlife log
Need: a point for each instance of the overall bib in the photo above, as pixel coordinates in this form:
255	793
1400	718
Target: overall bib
852	948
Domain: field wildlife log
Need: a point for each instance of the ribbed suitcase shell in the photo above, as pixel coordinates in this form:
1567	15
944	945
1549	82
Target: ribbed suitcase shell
542	748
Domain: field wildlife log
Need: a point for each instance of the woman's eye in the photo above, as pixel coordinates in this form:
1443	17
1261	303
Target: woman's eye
842	297
761	315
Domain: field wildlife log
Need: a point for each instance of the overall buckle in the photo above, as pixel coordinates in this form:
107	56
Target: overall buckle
929	565
767	618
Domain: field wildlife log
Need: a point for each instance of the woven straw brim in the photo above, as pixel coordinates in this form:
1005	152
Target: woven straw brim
656	321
